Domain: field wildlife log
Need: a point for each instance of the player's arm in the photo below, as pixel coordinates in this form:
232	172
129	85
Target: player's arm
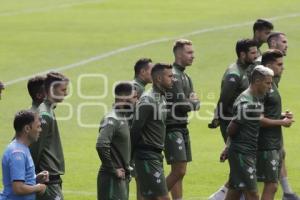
267	122
103	146
144	109
45	135
17	174
194	100
227	96
232	128
20	188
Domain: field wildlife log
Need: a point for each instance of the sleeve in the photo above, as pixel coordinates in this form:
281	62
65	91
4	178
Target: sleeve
195	103
17	166
103	146
227	96
42	143
144	110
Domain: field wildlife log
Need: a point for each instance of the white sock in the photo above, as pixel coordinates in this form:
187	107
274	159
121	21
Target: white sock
285	185
224	188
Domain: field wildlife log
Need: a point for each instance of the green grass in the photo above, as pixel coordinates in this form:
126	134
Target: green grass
39	35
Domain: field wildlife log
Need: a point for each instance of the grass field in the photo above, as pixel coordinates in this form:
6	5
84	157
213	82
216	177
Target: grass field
106	37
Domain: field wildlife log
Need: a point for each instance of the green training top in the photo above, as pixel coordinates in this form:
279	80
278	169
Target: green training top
234	82
47	152
270	138
113	143
139	85
247	112
178	97
149	123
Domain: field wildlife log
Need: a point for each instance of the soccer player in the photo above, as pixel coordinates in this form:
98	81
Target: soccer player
270	139
18	171
36	90
114	146
49	152
261	30
148	133
142	77
243	130
278	40
234	82
142	74
1	88
181	99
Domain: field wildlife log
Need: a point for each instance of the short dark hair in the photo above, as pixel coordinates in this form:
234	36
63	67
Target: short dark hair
274	35
270	56
158	68
179	44
123	89
244	45
261	24
142	63
260	72
23	118
36	85
52	77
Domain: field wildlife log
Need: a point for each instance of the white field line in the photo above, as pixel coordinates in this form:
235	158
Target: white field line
83	62
46	9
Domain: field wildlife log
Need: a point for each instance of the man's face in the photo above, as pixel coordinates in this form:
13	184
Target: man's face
167	79
262	35
277	66
265	85
281	44
35	129
186	55
146	73
59	90
250	56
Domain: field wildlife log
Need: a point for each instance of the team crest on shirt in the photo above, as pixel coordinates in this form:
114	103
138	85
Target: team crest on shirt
232	79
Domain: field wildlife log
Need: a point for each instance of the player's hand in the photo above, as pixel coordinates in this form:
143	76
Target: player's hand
194	97
289	114
224	155
287	122
42	177
120	173
41	188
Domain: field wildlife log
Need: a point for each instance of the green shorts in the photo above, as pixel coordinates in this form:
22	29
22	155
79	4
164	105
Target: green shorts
242	172
178	146
151	178
110	187
53	191
268	166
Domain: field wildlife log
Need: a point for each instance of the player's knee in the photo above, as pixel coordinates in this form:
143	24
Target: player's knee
179	172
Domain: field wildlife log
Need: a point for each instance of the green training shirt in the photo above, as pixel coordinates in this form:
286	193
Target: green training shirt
234	82
139	85
178	97
247	112
270	138
47	152
113	143
149	123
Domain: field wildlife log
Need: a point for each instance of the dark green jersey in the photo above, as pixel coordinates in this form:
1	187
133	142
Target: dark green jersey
149	124
234	82
247	111
139	85
47	153
178	97
113	143
270	138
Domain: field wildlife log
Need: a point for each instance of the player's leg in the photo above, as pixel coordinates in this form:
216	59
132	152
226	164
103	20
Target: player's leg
233	194
288	193
251	195
174	179
269	191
